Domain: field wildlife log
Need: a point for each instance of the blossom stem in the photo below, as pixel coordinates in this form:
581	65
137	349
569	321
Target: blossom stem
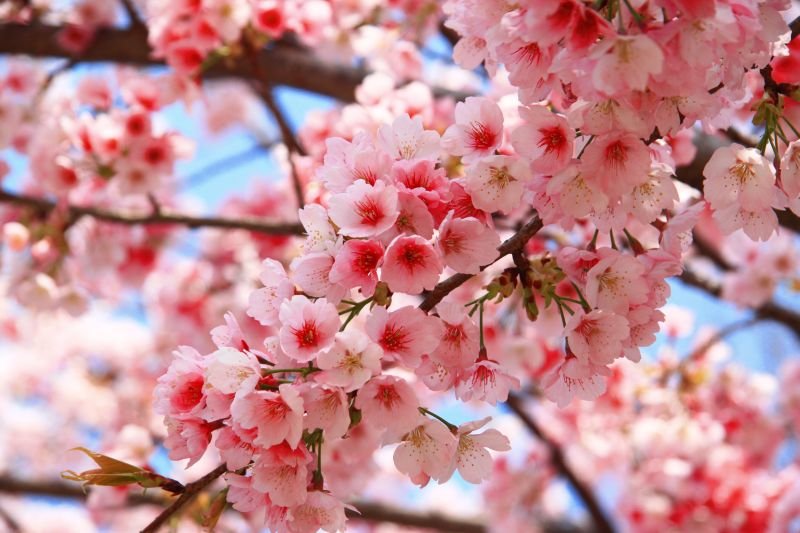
354	311
303	370
450	426
791	126
636	15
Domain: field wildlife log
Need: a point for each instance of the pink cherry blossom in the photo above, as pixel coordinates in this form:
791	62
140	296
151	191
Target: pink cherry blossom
411	265
187	439
406	138
617	163
364	210
404	334
496	183
626	62
327	408
389	402
478	129
573	378
738	175
282	472
278	416
472	458
426	452
466	244
230	371
545	138
356	265
616	282
307	327
265	303
350	362
459	343
597	336
487	381
180	390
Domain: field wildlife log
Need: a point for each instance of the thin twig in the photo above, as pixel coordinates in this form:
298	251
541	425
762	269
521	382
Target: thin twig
769	311
163	217
587	497
189	494
134	18
11	523
264	89
510	245
717	337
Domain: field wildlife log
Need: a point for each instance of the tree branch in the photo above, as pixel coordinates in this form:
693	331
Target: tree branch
769	311
512	244
367	511
587	497
133	15
190	492
161	216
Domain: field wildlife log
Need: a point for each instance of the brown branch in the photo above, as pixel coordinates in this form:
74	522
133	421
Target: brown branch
133	15
512	244
162	216
372	512
190	492
769	311
794	26
10	521
367	511
587	497
717	337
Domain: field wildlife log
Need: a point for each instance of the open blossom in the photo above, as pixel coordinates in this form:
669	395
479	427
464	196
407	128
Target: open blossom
278	416
407	138
626	62
759	223
790	170
364	210
307	327
404	334
575	193
596	336
319	511
411	265
283	473
389	402
466	244
311	273
426	452
478	129
187	439
487	381
573	378
356	265
616	282
617	163
422	179
318	228
738	175
347	162
544	138
180	391
265	303
230	371
327	408
350	362
496	183
472	459
459	343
